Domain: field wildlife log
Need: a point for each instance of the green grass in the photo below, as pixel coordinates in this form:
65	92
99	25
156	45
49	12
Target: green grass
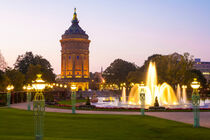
68	102
18	125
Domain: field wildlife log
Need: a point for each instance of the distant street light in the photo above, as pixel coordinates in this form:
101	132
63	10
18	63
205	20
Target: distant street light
39	106
28	89
196	102
142	97
73	98
9	89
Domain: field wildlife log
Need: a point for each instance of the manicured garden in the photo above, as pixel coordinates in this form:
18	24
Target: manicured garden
68	102
18	125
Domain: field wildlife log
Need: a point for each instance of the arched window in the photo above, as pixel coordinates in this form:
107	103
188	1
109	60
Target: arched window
77	57
69	57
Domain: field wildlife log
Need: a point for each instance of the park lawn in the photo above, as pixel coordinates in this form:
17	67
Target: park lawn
68	102
18	125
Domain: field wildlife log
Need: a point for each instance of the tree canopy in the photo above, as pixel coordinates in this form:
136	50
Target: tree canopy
25	70
173	69
16	78
118	71
3	64
23	62
30	65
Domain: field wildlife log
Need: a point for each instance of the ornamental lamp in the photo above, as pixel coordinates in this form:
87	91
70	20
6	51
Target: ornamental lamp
39	84
73	87
142	86
195	84
142	97
24	87
29	87
10	87
184	86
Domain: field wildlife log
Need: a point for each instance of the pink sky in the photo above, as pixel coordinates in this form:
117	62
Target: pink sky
117	29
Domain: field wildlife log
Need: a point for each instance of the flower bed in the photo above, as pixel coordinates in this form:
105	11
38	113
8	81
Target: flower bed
130	109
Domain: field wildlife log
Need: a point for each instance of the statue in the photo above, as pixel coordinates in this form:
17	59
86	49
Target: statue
156	104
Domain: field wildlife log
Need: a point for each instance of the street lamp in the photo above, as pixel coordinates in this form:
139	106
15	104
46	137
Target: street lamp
9	89
38	106
73	98
196	102
28	89
142	97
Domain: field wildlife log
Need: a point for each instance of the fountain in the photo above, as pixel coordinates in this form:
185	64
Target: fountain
164	92
184	94
154	93
178	93
123	99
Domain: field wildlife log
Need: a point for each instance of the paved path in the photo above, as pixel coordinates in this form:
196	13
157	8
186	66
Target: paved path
186	117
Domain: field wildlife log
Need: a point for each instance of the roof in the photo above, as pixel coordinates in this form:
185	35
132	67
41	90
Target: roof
75	29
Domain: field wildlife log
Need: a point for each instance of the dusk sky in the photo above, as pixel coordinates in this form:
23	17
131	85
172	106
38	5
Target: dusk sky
128	29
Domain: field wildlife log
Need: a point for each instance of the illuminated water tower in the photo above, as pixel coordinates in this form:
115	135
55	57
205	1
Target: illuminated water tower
75	56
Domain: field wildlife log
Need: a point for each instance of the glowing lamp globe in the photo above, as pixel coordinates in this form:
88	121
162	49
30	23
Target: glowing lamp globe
39	84
24	87
184	86
29	87
10	87
73	87
195	84
142	84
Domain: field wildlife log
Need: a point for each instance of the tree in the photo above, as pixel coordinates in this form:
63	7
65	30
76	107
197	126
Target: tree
4	81
173	69
118	71
33	70
16	78
30	65
3	64
137	76
23	62
200	77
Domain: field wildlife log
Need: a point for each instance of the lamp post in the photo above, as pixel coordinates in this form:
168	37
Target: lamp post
196	102
73	98
38	106
9	89
28	89
142	98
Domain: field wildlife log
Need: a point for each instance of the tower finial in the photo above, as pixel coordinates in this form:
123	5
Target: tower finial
75	16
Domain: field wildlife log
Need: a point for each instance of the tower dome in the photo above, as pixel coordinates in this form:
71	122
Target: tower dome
75	31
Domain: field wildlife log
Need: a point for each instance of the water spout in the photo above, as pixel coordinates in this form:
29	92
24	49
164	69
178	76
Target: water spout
164	92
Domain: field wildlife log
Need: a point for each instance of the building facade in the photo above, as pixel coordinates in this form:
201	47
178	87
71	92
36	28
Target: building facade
75	56
204	67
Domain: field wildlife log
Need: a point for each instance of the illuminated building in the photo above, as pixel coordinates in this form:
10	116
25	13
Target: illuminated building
75	56
204	67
